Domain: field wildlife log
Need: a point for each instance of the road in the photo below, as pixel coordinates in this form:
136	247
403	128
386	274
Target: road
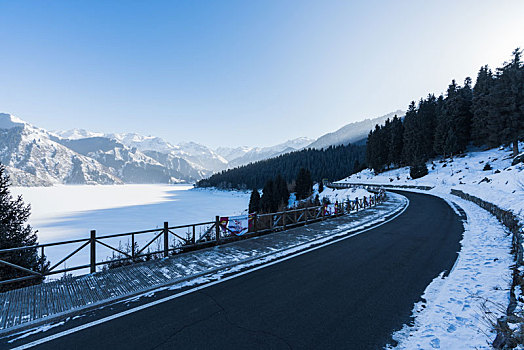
349	295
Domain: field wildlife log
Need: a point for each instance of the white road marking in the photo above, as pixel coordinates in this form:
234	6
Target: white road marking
175	296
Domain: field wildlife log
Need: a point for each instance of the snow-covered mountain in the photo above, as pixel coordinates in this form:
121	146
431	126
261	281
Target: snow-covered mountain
36	157
245	155
353	132
40	160
201	158
230	153
130	164
75	134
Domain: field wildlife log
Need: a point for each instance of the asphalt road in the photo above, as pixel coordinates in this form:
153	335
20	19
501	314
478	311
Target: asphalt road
349	295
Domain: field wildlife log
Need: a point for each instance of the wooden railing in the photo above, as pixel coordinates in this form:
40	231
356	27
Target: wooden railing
176	239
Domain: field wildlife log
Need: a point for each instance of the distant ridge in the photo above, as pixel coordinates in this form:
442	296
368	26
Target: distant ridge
353	132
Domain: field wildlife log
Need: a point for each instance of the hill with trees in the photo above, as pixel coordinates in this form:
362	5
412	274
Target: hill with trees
332	163
489	113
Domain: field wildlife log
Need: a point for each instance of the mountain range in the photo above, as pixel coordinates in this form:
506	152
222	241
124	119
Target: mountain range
36	157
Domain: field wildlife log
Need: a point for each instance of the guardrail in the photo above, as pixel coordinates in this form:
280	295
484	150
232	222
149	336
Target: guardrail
176	239
342	185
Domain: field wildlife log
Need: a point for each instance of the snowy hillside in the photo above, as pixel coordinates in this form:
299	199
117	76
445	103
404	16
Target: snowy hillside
353	132
488	174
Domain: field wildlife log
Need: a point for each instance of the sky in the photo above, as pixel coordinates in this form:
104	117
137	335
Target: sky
231	73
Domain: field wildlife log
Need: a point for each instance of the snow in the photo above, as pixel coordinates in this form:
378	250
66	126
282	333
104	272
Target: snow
66	212
504	187
8	121
344	195
457	311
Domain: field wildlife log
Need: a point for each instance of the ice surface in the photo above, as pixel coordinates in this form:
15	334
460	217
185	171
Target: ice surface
66	212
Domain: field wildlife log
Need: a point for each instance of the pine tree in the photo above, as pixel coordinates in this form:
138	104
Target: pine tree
480	106
412	129
254	201
267	201
303	184
281	192
14	232
427	116
396	141
507	103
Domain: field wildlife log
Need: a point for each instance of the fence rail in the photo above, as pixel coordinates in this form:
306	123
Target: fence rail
369	187
176	239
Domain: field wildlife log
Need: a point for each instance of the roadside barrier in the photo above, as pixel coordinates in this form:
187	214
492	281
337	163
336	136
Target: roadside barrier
176	239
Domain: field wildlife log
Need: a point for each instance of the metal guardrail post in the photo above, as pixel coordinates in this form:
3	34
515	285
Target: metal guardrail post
93	252
166	239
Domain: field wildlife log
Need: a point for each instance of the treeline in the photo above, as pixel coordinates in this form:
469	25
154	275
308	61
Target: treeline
490	113
275	195
332	163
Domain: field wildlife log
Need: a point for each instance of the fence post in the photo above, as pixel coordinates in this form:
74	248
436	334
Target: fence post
306	213
93	251
166	239
194	235
133	247
322	212
217	224
284	219
255	219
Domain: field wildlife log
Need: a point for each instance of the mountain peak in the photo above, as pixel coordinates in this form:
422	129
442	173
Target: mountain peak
8	121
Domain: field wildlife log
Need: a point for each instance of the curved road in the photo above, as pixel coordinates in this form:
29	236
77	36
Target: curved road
349	295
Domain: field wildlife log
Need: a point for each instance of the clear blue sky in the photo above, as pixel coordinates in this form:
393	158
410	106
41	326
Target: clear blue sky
239	72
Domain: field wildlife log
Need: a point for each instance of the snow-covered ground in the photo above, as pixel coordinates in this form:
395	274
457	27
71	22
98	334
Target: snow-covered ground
66	212
458	311
502	185
349	194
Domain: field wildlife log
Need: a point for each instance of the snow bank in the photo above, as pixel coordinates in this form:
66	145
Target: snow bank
457	311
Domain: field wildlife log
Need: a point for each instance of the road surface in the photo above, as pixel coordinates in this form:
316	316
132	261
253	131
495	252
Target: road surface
349	295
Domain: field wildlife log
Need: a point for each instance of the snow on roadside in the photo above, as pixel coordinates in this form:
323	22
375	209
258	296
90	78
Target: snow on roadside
501	183
454	314
344	194
457	310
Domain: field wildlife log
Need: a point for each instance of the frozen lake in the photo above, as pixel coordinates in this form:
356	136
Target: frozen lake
66	212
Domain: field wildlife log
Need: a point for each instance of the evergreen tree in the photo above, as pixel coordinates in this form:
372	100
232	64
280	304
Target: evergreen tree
267	202
412	129
396	141
480	106
303	184
427	116
281	192
332	163
14	232
507	103
254	201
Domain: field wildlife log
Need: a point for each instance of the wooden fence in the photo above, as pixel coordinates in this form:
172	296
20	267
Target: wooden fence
176	239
